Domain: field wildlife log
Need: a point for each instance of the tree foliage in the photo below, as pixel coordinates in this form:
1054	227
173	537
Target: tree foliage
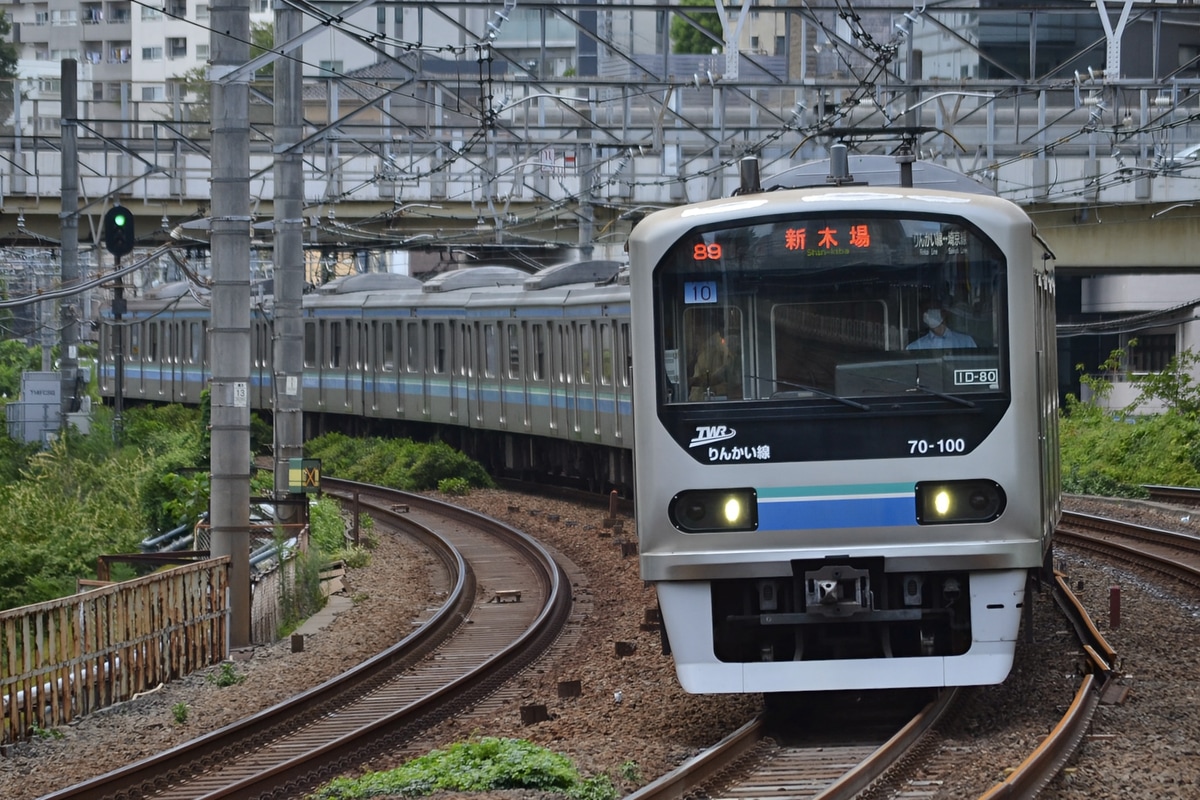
689	36
8	50
397	463
1117	453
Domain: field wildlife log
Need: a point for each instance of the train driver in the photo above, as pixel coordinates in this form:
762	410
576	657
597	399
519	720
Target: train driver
939	335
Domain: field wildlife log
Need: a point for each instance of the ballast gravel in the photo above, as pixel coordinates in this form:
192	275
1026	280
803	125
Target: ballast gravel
631	720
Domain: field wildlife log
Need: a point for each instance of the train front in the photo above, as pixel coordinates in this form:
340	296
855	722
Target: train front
845	446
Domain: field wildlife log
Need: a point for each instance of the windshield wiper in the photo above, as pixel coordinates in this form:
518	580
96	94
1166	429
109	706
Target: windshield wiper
805	388
918	386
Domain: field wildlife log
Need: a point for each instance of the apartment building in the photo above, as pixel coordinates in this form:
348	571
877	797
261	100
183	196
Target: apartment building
126	51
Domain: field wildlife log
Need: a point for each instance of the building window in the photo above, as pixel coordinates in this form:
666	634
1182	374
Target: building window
151	14
202	52
1152	353
330	68
177	47
153	93
178	8
152	54
202	12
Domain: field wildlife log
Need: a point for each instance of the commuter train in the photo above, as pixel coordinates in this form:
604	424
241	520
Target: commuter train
846	435
823	501
528	373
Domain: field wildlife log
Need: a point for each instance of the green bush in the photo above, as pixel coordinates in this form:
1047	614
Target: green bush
455	487
487	764
396	463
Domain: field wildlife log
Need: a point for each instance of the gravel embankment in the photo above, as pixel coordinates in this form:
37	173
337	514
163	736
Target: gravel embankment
1145	748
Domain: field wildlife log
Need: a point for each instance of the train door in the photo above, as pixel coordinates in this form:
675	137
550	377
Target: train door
512	382
606	382
538	399
562	405
314	395
587	378
357	377
489	408
261	359
169	364
437	371
462	366
413	402
333	366
151	366
385	369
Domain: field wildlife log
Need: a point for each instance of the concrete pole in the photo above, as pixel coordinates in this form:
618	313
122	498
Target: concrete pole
230	333
288	356
68	307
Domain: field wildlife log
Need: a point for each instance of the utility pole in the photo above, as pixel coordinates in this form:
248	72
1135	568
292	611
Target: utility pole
289	260
68	306
229	512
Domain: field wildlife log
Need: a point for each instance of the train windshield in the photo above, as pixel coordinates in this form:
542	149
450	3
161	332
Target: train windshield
832	308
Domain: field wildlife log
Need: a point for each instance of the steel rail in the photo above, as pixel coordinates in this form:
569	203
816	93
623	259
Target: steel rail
722	757
366	719
1048	758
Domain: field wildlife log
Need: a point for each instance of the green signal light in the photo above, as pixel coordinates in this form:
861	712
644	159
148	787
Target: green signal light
119	220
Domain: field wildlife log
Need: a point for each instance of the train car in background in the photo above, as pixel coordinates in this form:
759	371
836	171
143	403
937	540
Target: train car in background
846	445
528	373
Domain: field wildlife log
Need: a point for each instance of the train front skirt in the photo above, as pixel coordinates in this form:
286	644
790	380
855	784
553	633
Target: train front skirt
996	598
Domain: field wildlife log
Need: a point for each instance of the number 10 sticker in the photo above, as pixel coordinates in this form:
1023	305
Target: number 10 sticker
699	292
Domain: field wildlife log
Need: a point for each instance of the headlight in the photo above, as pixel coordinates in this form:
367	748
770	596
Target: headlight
942	502
714	510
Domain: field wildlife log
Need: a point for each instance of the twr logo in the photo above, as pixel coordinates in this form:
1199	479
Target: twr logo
707	434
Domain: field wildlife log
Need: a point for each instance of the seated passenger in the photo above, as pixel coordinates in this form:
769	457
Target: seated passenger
939	336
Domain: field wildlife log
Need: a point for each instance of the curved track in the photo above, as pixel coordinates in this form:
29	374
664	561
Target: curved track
441	668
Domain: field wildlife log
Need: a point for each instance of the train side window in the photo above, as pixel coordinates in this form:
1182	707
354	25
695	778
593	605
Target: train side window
412	332
491	350
537	364
168	342
562	353
195	343
387	345
439	348
586	353
606	354
460	350
152	342
363	344
134	350
335	344
310	344
513	333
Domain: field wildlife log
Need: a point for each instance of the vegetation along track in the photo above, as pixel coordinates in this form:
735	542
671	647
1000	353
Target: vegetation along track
506	587
855	753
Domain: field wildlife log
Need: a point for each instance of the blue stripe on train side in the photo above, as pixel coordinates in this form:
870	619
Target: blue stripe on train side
871	505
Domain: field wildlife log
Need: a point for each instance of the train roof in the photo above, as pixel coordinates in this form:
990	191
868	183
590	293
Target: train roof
369	282
875	170
573	272
475	278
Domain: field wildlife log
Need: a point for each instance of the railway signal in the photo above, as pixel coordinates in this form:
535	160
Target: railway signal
118	231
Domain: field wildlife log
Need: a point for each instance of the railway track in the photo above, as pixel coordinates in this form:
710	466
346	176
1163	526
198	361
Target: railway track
439	669
1176	555
904	762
